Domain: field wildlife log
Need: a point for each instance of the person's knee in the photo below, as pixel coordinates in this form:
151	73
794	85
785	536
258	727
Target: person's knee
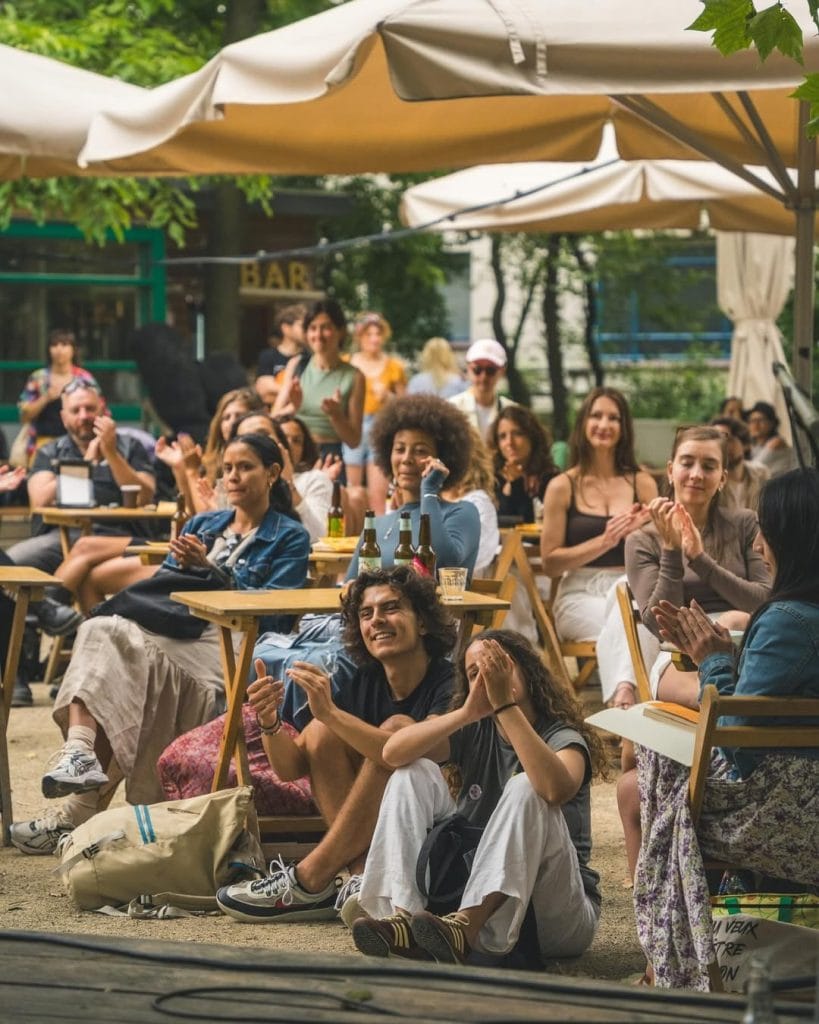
734	620
319	741
396	722
628	794
520	789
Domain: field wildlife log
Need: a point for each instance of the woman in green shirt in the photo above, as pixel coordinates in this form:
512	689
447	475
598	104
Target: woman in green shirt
327	392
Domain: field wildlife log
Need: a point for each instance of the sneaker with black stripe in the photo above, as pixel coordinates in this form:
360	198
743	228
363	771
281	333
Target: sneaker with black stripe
444	938
386	937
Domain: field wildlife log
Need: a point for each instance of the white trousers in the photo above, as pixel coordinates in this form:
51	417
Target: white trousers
586	609
525	852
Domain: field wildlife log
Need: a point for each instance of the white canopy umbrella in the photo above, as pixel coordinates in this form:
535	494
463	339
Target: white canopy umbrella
46	108
389	85
755	272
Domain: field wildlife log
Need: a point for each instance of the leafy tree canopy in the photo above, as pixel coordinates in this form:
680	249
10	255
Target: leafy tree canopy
742	25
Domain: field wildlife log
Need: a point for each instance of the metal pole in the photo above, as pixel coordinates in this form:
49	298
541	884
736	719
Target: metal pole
804	275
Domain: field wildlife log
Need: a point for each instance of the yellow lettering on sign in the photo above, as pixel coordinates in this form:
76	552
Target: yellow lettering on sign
274	277
250	277
299	276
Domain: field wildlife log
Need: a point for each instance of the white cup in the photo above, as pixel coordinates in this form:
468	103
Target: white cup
453	583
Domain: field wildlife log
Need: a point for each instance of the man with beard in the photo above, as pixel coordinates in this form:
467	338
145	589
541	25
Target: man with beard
115	460
745	478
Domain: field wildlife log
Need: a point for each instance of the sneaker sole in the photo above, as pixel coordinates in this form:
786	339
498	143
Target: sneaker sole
429	938
40	851
52	787
264	915
369	942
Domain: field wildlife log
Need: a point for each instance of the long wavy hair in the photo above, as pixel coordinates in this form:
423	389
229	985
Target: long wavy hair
580	450
551	699
215	444
540	461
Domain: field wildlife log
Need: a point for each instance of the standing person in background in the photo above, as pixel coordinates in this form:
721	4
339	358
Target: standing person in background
588	512
329	393
767	446
745	479
480	403
385	378
523	462
286	341
439	373
39	403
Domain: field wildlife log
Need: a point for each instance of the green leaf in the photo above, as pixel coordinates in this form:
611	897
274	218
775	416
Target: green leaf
809	89
728	19
776	29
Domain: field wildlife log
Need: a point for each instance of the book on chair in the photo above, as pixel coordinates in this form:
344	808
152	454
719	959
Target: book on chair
658	725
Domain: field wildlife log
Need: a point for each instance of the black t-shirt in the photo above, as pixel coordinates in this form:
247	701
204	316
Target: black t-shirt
271	361
106	489
367	695
487	762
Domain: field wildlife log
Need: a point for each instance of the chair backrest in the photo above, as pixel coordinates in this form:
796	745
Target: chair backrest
631	617
711	734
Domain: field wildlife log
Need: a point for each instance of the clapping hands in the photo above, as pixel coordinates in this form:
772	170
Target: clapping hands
692	631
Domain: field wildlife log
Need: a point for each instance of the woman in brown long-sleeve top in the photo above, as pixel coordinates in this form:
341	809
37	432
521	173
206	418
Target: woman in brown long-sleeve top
695	550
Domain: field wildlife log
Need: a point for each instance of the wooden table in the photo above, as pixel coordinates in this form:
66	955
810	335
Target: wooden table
240	611
23	585
326	565
83	519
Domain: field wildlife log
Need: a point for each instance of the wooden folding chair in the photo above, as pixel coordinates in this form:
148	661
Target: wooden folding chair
502	588
710	733
631	619
583	651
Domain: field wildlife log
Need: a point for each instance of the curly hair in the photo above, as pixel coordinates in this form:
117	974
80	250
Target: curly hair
580	451
540	458
440	629
551	699
446	425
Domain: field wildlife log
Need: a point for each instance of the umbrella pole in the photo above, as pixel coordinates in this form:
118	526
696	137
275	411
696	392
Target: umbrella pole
804	276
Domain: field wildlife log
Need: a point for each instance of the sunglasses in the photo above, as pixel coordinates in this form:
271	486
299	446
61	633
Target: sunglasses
78	384
488	368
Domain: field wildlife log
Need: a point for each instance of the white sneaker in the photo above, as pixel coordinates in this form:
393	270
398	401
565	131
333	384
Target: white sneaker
75	770
41	835
278	897
347	905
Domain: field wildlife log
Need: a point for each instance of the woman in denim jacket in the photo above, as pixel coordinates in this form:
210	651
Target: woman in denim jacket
128	692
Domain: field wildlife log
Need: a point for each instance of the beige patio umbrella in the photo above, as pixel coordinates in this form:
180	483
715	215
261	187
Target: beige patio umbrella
389	85
46	108
755	271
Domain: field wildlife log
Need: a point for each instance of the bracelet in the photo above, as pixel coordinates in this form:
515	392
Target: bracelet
505	707
271	730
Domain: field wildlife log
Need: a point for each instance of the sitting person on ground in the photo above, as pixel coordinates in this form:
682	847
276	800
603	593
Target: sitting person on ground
423	443
116	460
588	512
480	402
695	549
399	636
756	808
526	761
128	691
438	371
767	444
745	478
523	463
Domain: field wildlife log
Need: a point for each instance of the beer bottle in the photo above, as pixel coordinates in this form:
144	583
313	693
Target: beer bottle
180	517
404	550
335	514
369	553
424	559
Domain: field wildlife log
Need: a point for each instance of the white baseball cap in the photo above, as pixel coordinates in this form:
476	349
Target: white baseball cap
486	350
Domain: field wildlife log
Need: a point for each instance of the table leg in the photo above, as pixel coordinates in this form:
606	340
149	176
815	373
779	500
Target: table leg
236	672
18	625
5	778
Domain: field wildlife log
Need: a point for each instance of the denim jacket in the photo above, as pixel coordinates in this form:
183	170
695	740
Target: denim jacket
275	559
779	658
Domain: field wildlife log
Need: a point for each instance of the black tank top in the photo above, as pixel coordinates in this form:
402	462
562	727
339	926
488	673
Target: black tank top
582	526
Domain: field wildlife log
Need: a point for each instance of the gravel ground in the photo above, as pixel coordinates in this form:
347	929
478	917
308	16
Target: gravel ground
32	897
